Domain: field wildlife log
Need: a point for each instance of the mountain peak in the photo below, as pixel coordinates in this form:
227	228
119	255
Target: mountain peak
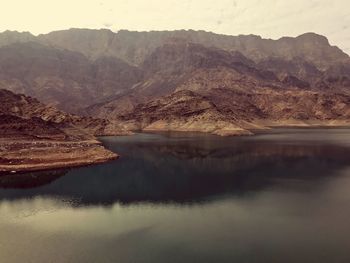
15	32
8	37
314	38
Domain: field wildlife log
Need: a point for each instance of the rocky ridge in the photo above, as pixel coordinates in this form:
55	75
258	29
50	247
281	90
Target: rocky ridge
191	87
161	80
36	137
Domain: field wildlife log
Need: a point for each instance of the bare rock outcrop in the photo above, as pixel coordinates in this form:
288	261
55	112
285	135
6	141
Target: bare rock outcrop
153	80
36	137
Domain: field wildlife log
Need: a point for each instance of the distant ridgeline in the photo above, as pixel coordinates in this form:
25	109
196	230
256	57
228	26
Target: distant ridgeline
181	80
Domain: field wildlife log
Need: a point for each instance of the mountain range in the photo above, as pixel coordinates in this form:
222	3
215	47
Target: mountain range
181	80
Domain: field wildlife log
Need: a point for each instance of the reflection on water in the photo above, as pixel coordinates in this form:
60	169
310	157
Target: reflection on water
280	197
29	180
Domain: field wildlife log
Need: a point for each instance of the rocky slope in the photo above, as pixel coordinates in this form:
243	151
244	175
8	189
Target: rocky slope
308	57
182	80
36	137
228	112
184	111
191	87
27	107
61	78
134	47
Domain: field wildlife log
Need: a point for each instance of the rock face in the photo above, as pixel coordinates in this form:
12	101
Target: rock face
27	108
61	78
181	80
134	47
184	111
191	87
36	137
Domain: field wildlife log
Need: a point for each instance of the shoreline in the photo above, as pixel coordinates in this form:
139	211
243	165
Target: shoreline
258	128
18	169
24	156
35	155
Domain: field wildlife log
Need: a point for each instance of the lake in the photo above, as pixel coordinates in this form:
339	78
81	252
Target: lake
282	196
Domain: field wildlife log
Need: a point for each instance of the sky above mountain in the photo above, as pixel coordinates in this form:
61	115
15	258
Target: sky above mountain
268	18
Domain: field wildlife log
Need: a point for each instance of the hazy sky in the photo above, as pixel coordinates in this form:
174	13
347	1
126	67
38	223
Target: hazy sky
268	18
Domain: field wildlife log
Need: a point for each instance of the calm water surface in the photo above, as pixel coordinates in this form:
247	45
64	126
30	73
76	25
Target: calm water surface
278	197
